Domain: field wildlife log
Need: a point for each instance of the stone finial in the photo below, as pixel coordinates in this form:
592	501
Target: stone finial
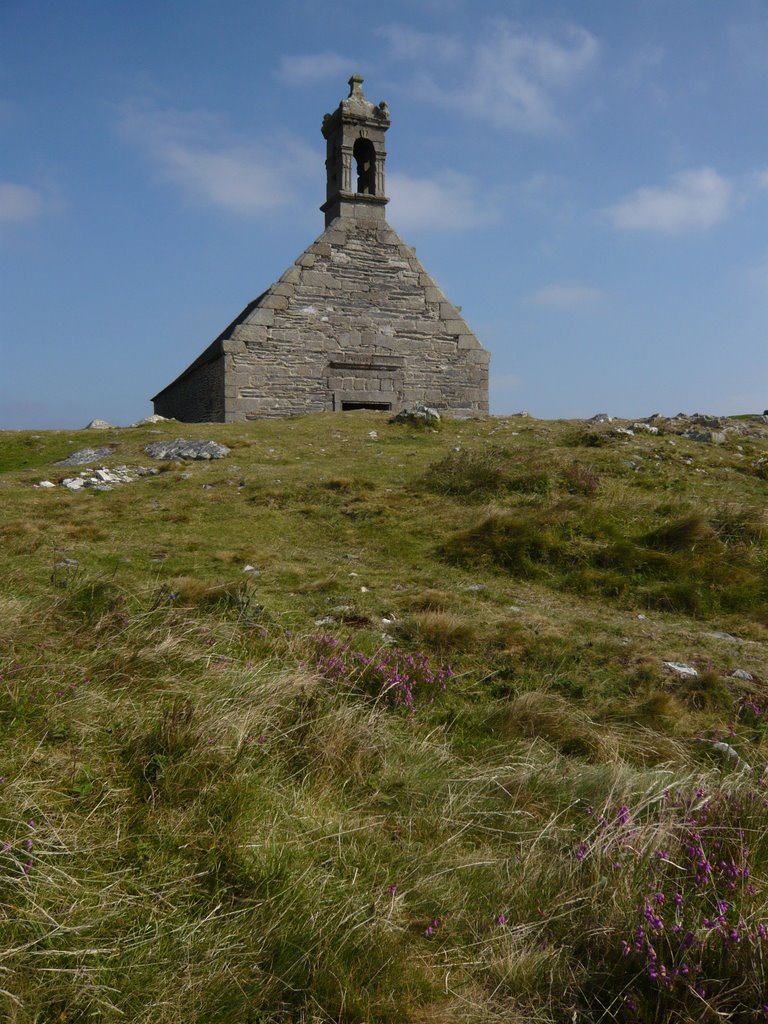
356	86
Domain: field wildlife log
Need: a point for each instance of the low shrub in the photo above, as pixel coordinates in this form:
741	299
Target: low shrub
401	679
481	473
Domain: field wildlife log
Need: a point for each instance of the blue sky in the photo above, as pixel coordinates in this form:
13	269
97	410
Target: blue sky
589	180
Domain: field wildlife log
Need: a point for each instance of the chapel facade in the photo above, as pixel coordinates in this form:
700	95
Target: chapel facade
355	323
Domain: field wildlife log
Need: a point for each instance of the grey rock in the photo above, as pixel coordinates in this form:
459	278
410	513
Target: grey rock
99	425
601	417
679	668
84	456
646	428
718	634
703	420
45	484
100	480
728	750
181	449
148	421
418	414
741	673
707	436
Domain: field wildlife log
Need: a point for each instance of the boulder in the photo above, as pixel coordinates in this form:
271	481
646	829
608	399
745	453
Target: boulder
418	415
148	421
84	456
181	449
99	425
707	436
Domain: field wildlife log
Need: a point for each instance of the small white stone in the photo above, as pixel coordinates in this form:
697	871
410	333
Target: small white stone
45	483
364	590
679	668
741	673
251	568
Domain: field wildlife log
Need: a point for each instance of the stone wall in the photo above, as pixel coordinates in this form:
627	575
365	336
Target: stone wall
355	320
197	396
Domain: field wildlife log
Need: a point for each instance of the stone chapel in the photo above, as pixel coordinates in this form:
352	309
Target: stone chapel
355	323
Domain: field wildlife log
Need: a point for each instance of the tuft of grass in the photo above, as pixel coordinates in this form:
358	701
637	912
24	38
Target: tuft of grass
439	630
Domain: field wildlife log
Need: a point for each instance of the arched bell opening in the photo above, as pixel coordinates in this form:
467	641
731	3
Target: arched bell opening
365	158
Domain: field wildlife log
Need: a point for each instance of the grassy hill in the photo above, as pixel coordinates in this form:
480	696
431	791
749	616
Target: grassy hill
370	723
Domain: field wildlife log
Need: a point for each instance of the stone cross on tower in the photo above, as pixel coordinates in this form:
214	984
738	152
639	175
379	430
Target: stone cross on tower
355	157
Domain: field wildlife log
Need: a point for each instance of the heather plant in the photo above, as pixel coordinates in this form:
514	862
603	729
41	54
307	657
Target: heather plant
692	934
400	679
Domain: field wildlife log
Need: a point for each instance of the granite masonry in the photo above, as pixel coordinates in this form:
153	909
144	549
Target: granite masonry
355	323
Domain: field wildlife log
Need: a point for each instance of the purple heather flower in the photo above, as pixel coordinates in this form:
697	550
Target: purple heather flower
392	889
623	815
429	932
501	919
581	852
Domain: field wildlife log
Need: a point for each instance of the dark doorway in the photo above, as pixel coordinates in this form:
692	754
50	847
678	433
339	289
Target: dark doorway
376	406
365	155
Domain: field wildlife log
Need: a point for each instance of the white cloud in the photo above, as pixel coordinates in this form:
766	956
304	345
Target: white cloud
195	152
447	202
19	203
696	200
406	43
315	67
513	77
566	295
761	179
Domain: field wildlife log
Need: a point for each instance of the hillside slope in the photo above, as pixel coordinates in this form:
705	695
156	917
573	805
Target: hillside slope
372	723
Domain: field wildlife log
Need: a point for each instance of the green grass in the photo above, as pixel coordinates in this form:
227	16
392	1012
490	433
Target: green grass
217	805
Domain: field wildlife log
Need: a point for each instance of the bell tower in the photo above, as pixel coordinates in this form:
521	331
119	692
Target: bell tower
355	157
